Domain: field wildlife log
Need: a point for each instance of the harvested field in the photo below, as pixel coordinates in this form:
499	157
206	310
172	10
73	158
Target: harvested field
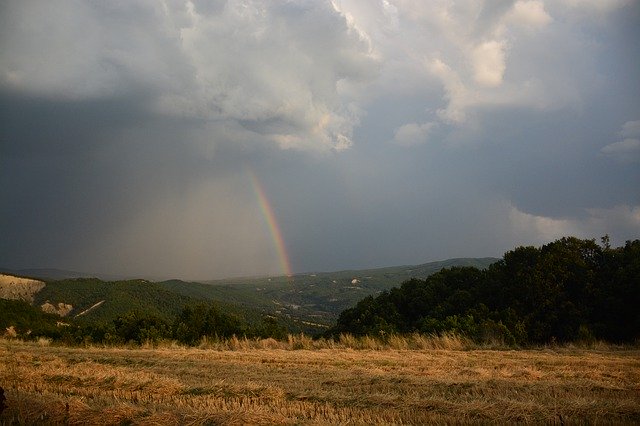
175	385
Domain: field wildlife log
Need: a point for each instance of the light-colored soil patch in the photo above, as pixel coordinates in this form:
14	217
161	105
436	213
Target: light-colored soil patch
61	309
17	288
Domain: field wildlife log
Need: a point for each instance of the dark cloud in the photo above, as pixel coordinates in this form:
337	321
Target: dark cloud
381	133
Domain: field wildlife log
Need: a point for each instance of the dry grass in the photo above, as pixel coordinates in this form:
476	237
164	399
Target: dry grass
346	341
293	382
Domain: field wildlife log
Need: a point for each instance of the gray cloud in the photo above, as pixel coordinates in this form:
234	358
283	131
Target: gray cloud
628	149
382	132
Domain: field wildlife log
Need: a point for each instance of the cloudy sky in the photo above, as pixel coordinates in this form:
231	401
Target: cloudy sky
206	139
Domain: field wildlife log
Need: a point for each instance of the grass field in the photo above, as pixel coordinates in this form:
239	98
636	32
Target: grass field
266	382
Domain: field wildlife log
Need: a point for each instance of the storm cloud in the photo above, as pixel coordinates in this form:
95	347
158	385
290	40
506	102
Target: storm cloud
382	132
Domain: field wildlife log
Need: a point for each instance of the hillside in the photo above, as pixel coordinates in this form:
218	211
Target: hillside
17	317
18	288
114	298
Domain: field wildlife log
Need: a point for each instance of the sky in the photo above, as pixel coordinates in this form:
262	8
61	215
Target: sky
209	139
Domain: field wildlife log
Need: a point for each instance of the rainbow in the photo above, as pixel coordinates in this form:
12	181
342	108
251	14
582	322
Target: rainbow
274	229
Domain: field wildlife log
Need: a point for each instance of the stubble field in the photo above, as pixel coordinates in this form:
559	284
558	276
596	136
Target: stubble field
268	383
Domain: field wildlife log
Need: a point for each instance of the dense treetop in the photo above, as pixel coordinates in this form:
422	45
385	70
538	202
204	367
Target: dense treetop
567	290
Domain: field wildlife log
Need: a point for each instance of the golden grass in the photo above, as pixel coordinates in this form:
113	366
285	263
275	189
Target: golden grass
243	381
345	341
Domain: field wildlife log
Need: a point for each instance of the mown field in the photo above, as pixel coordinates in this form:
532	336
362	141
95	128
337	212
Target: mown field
267	382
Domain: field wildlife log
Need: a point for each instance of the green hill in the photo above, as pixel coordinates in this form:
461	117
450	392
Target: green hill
112	298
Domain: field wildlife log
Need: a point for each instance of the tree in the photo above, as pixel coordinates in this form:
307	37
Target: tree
139	328
566	290
196	322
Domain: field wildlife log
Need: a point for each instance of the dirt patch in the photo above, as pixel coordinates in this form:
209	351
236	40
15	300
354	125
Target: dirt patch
61	309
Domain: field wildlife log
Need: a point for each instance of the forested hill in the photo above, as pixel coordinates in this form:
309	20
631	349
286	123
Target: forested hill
570	289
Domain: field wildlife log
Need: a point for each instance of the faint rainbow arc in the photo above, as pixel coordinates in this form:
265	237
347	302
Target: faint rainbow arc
272	223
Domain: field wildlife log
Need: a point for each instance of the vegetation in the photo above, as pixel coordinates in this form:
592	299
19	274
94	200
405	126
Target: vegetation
307	303
119	297
190	326
316	298
19	318
268	385
272	307
567	290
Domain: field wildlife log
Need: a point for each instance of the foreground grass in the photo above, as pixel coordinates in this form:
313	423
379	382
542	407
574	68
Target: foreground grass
265	384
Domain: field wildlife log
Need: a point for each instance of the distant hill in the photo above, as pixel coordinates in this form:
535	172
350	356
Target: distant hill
56	274
304	302
314	297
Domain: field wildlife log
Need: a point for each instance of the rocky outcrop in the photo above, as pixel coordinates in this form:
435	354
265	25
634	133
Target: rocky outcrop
61	309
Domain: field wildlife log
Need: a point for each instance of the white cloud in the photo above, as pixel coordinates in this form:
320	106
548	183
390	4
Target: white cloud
626	146
457	92
630	129
466	47
619	222
621	219
628	149
276	68
489	63
301	73
286	71
529	14
412	134
597	5
625	151
539	228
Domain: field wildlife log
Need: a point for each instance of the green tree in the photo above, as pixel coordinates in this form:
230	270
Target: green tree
196	322
139	328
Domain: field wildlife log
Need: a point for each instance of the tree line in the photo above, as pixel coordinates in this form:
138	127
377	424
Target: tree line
190	326
568	290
